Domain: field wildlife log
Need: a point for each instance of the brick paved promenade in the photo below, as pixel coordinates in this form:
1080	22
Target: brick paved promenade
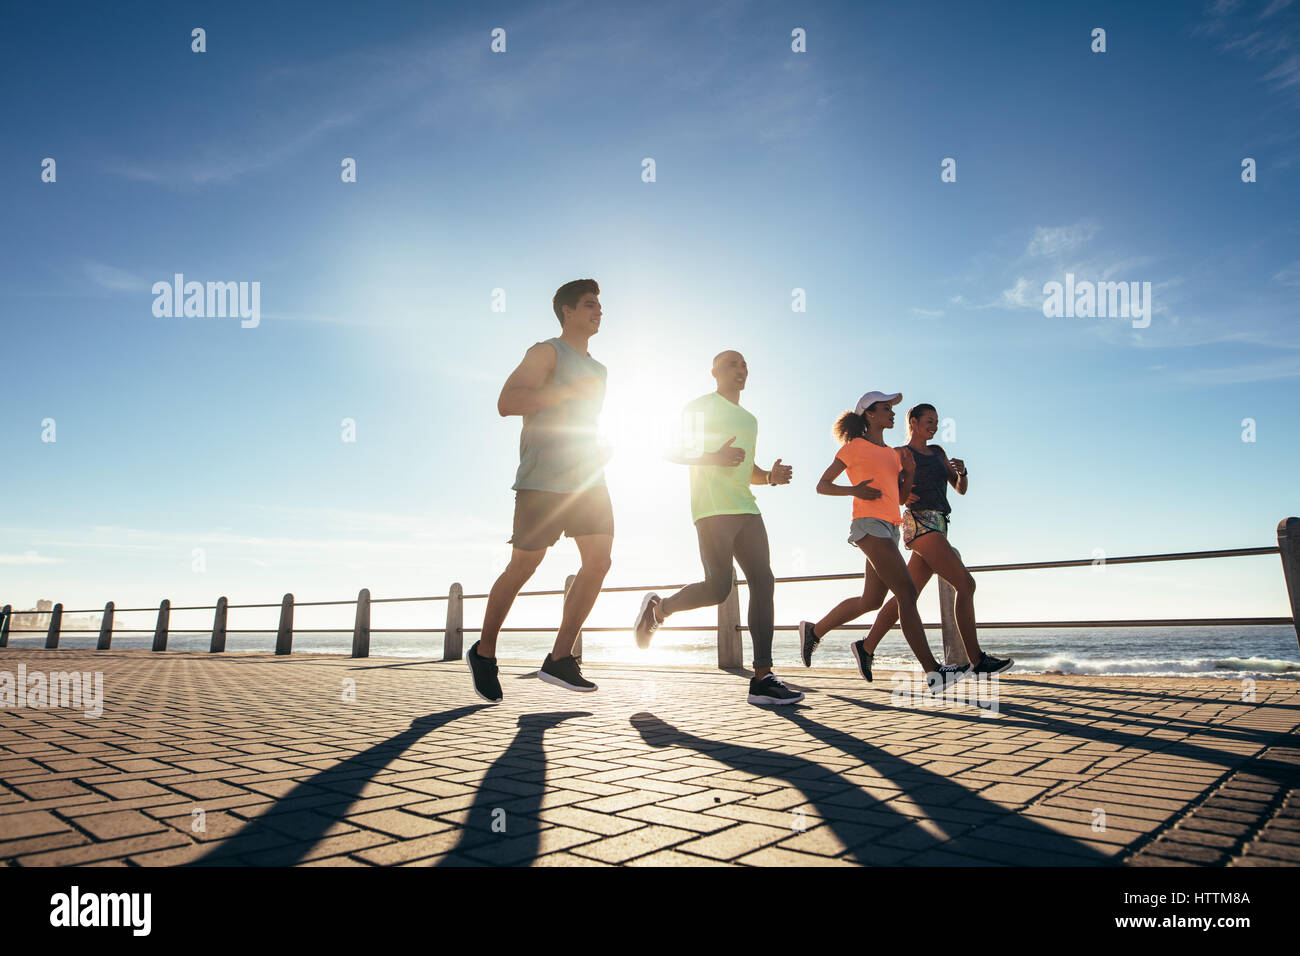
661	766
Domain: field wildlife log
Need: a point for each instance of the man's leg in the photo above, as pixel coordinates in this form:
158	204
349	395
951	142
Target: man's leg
755	560
717	547
595	550
502	596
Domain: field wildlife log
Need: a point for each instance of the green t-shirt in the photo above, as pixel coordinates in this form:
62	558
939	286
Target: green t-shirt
706	423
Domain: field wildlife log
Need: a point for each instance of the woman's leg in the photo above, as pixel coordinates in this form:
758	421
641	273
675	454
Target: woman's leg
938	553
920	572
888	564
873	593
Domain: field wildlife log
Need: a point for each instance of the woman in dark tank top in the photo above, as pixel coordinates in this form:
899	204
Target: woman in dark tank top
925	534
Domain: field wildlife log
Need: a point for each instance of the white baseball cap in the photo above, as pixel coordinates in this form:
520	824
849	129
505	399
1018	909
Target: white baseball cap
869	399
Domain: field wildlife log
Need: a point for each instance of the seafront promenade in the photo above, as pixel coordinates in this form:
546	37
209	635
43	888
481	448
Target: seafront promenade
253	759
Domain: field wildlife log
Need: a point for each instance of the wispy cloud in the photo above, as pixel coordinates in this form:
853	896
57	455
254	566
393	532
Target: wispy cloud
29	557
1239	30
1055	240
1280	367
113	278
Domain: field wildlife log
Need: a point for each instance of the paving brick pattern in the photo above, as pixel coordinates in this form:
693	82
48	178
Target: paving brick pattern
244	759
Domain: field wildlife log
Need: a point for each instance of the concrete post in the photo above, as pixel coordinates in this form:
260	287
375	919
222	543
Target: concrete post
577	645
56	624
284	636
160	629
730	642
361	629
451	637
219	627
105	629
1288	543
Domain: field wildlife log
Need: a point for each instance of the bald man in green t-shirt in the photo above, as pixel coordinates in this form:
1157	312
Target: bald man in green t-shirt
727	520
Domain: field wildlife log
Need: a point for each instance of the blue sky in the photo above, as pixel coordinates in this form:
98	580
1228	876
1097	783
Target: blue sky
521	170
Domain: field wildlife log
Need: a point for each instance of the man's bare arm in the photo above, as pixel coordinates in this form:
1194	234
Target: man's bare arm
526	390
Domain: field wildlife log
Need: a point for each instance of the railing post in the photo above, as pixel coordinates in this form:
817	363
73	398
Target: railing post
284	636
361	629
160	629
954	651
105	629
219	627
56	623
4	624
730	645
577	644
1288	544
451	637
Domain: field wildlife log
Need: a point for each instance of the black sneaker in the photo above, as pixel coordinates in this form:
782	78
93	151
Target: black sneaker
992	665
564	673
484	672
808	642
863	656
947	675
646	624
770	690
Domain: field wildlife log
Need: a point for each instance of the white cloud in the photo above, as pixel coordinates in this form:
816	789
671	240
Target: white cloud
1284	366
111	277
929	313
1054	240
1018	295
29	557
1290	275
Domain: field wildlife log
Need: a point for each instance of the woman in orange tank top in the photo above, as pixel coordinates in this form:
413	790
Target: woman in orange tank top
881	478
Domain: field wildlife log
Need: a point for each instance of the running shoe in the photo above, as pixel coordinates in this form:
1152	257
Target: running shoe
947	675
484	672
864	657
564	673
646	624
770	690
808	642
992	665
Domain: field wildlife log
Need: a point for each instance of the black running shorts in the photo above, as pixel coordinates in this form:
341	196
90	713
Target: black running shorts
540	516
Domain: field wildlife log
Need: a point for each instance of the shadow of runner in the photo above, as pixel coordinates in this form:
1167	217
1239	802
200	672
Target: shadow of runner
1017	715
305	814
1162	695
936	795
502	825
860	820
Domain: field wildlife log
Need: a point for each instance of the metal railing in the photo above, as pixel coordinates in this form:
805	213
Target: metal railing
729	628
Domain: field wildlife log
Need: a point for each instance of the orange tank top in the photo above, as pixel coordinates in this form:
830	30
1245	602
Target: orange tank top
865	460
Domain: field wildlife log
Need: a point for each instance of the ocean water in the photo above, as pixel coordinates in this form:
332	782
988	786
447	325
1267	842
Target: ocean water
1261	652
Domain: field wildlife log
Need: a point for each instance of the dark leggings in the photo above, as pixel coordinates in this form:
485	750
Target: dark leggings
744	538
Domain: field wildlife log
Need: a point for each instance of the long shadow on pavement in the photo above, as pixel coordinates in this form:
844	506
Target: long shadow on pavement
305	814
860	820
1016	715
502	826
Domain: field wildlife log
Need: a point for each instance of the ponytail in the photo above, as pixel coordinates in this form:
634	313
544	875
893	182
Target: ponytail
849	426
